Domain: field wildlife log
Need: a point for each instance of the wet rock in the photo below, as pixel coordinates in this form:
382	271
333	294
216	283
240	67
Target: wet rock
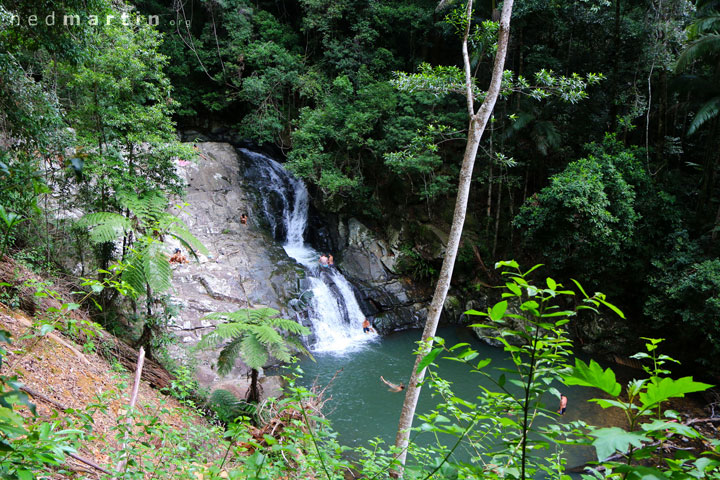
369	262
244	265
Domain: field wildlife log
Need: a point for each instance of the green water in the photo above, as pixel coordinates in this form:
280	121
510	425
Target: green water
361	407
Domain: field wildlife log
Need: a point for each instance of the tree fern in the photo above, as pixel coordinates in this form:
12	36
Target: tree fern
254	335
254	353
148	208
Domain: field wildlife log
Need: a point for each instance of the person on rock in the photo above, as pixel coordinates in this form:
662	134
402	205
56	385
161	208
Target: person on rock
366	326
178	257
393	387
243	219
323	260
331	260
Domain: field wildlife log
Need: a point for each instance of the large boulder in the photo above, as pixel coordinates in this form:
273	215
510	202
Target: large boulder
244	267
370	262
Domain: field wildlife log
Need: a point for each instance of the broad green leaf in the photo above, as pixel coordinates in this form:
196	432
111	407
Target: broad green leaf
593	376
613	439
513	287
668	388
498	311
674	427
429	358
552	285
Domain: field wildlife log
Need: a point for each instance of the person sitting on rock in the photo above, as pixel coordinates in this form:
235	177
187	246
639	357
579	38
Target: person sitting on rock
393	387
331	260
323	260
178	257
366	326
243	219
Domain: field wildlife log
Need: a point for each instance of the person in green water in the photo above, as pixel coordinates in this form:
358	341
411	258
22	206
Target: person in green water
393	387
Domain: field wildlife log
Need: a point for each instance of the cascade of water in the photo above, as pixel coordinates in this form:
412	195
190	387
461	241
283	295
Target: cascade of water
334	311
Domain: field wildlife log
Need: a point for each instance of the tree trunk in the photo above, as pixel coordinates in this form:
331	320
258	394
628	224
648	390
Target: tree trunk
253	394
477	124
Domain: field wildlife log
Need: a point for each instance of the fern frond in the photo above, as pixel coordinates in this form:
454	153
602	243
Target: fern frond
148	208
267	335
104	226
228	355
189	241
288	325
134	275
297	343
280	351
707	112
228	407
158	273
253	352
223	333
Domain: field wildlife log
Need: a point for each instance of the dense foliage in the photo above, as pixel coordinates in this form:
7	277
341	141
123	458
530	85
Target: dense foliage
594	186
601	160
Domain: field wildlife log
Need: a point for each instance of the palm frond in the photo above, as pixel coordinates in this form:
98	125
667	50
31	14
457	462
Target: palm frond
228	355
707	112
705	24
708	45
254	354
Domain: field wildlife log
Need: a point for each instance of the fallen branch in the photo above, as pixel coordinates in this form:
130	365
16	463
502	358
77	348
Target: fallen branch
39	395
88	462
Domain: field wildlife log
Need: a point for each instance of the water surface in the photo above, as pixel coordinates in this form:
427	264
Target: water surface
361	407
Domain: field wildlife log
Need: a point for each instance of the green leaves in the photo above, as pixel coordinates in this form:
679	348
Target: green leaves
608	441
659	390
593	376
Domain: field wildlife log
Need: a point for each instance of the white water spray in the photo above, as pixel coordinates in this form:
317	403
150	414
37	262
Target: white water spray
333	309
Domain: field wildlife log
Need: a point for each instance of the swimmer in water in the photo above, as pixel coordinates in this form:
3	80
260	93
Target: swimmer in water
393	387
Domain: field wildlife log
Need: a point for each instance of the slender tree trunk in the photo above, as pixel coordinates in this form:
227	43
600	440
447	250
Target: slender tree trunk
498	205
478	122
253	394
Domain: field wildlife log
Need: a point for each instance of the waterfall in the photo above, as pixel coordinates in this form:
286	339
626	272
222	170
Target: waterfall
333	310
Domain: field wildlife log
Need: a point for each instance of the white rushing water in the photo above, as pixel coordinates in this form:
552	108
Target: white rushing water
333	309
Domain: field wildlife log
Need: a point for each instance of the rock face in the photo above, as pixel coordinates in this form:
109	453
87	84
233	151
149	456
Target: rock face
244	266
369	263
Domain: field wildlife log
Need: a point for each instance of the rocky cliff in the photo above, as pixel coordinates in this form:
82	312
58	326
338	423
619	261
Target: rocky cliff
245	266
